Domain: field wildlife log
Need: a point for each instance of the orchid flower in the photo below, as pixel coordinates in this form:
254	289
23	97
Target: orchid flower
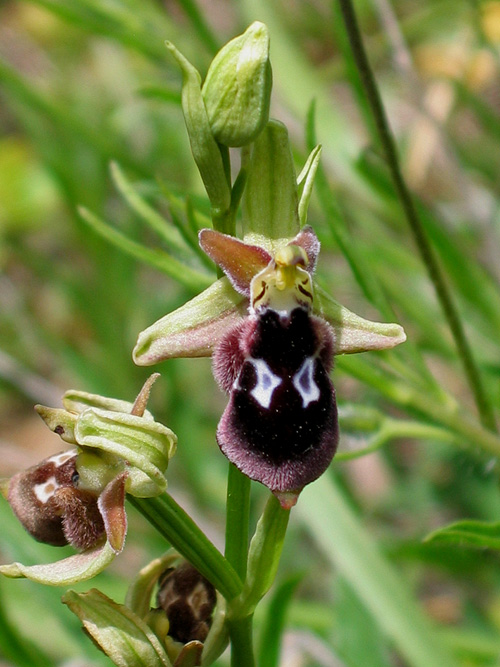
77	497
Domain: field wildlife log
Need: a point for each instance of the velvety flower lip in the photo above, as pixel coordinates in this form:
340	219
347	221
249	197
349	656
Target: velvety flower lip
77	497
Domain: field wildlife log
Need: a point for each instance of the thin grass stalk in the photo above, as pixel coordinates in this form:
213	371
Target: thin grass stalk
428	257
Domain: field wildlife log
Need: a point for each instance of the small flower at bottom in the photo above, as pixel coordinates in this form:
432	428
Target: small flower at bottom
77	497
171	616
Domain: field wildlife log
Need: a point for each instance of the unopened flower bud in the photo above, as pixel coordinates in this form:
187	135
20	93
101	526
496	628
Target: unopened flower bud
237	88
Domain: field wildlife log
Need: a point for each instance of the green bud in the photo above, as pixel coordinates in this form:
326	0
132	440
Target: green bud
237	88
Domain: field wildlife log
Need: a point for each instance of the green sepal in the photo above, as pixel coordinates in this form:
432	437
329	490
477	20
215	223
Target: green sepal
190	655
64	572
138	597
78	401
353	333
270	201
144	447
59	421
194	329
204	147
124	637
218	637
237	88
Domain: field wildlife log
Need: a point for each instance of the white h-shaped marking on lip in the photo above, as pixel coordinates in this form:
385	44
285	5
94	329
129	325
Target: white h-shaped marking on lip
303	381
59	459
46	490
266	383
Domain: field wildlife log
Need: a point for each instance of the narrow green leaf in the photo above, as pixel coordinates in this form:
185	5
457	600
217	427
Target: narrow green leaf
204	148
469	533
160	260
200	24
142	31
159	92
305	182
147	213
336	529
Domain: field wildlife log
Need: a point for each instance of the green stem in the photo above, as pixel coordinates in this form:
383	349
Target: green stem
237	520
436	276
184	535
241	635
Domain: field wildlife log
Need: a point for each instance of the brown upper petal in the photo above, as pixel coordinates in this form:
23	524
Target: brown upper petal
112	507
308	240
240	261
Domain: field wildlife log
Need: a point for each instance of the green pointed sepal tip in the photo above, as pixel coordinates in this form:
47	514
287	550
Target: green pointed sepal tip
59	421
353	333
194	329
65	572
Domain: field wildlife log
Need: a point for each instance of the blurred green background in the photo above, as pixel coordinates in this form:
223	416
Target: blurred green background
87	83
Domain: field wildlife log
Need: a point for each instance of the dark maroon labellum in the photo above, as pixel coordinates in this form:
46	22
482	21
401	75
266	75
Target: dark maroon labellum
280	426
51	508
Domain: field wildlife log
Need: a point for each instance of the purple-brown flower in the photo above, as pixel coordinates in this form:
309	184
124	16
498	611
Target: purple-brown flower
280	425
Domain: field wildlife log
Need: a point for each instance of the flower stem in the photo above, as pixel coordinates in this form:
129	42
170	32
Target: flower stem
241	635
436	276
237	519
185	536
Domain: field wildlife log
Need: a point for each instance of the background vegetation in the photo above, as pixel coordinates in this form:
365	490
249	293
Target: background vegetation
90	117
